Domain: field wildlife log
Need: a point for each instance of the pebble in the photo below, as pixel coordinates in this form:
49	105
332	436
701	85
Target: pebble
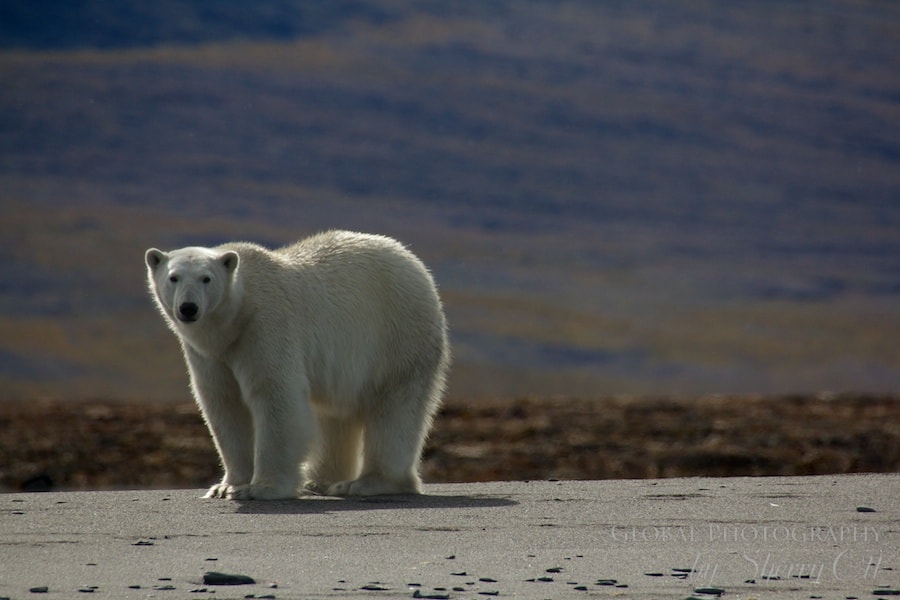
418	594
216	578
885	592
487	579
374	587
41	589
865	509
709	591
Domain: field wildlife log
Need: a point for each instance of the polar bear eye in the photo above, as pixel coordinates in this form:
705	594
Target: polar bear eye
206	279
173	278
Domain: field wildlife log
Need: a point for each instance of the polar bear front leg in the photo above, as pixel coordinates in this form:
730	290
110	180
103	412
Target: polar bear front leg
228	419
284	427
232	432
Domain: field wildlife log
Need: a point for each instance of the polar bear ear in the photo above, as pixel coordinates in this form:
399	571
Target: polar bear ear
230	261
154	258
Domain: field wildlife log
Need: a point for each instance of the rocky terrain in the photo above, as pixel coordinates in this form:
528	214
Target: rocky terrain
115	445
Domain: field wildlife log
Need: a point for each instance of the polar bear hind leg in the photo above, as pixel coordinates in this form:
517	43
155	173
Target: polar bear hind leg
393	437
337	456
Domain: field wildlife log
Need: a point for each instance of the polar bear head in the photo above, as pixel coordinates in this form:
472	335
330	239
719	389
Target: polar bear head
190	284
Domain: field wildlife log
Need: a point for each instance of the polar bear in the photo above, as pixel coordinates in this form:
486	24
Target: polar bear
324	360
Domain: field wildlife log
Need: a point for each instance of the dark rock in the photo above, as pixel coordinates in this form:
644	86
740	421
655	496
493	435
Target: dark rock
709	591
216	578
418	594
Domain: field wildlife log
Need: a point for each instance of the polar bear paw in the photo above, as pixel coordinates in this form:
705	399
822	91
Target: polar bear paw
257	491
250	492
374	485
220	490
316	488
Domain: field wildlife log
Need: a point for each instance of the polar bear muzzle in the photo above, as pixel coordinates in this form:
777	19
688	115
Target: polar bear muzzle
187	312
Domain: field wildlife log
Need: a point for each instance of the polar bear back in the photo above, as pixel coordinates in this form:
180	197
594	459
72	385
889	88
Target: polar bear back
361	311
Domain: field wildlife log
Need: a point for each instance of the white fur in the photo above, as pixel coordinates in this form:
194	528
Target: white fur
332	351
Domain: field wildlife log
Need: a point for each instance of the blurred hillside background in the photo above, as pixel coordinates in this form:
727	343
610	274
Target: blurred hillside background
624	197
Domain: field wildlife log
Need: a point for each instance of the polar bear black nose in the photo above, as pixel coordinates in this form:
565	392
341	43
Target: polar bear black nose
187	311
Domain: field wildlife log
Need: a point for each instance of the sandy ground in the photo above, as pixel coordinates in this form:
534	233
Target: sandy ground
96	445
778	538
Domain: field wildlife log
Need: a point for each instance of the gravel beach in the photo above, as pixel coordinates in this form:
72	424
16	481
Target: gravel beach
784	538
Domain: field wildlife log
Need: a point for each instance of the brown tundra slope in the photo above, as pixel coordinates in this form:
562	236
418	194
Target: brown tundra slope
115	445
